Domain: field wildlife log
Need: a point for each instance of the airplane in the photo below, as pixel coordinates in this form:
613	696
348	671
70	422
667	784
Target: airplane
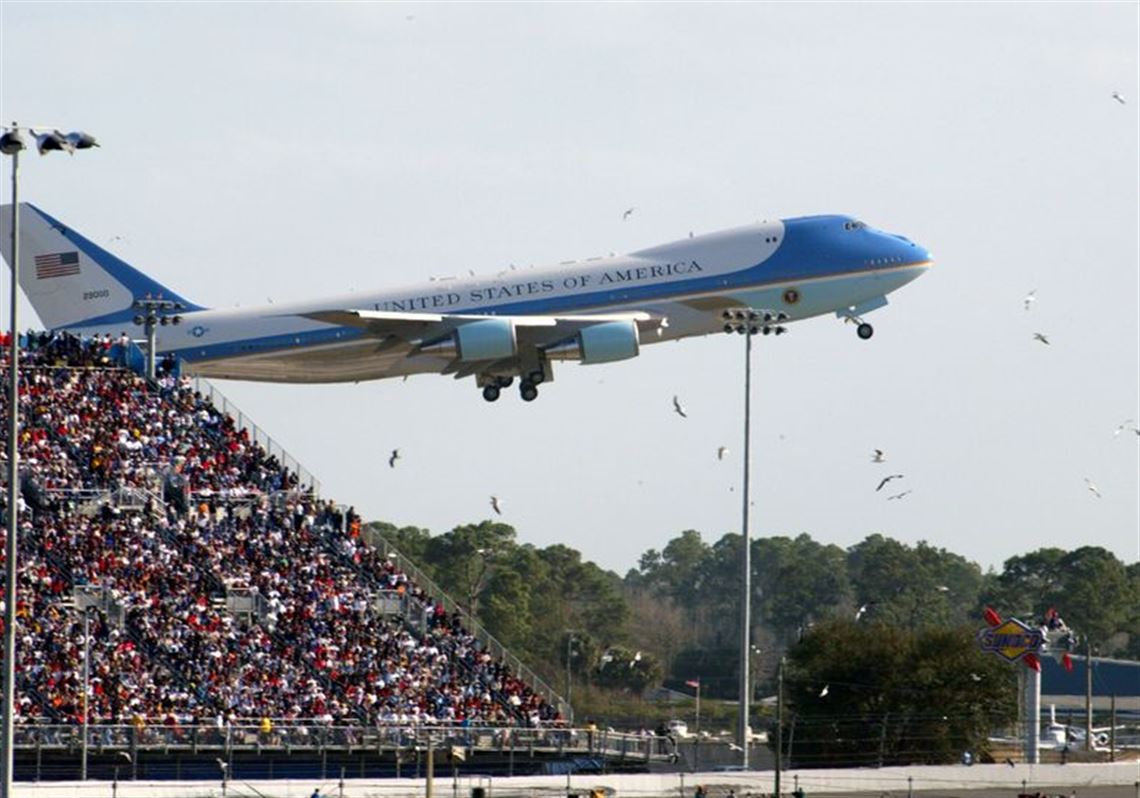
1062	736
514	324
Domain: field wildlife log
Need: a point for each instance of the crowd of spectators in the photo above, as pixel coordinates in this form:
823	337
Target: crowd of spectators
212	517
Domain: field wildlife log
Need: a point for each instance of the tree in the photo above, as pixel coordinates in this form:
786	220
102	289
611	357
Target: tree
798	581
862	694
920	586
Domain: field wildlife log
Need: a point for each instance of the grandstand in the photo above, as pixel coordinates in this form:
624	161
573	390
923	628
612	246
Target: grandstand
230	611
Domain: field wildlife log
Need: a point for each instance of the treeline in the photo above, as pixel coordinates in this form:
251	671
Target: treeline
675	616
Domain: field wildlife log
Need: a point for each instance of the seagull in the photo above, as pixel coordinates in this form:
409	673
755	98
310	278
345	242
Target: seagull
975	677
125	756
899	495
628	213
942	588
1119	98
221	763
878	457
863	610
1041	337
1126	424
1030	298
888	479
677	407
636	659
1092	488
495	505
826	689
721	451
393	458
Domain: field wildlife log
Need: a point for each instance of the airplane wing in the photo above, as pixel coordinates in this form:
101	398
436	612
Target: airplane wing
476	343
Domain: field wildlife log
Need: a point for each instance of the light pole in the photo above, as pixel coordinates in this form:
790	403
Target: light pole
747	323
11	143
86	686
152	313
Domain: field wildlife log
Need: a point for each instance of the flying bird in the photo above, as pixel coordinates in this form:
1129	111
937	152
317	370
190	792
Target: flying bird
878	457
1119	98
888	479
1041	337
863	610
899	495
1126	424
1092	488
392	458
495	505
628	213
975	677
1030	298
826	689
721	451
636	659
677	407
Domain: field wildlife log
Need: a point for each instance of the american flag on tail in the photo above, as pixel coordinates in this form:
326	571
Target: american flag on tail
57	264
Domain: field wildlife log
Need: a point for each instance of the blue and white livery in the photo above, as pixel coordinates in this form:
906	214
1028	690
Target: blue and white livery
495	329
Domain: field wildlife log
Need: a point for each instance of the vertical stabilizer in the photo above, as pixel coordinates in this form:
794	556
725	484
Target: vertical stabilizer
72	282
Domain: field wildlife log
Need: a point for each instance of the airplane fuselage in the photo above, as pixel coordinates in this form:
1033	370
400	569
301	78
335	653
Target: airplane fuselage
798	267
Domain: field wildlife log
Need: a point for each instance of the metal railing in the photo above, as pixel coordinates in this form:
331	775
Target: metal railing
492	646
314	735
257	434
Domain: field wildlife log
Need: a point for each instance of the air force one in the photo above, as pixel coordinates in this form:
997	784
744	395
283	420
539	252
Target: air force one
495	329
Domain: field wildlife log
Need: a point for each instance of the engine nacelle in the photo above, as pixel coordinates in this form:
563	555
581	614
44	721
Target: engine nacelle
486	339
599	343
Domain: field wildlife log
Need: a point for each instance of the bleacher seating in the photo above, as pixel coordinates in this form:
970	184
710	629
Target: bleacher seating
210	517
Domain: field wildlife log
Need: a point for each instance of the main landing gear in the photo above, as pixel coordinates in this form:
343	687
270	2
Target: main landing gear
528	386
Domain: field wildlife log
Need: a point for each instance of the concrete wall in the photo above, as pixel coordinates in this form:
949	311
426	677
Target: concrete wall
1083	778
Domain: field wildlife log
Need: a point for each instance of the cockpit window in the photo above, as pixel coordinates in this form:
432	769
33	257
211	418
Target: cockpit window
854	225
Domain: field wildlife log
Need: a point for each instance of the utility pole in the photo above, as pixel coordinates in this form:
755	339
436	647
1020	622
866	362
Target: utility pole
779	723
1088	695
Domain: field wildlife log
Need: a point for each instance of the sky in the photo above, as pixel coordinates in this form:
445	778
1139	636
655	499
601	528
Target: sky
289	151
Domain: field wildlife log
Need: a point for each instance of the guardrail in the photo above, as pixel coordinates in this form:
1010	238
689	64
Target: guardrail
257	434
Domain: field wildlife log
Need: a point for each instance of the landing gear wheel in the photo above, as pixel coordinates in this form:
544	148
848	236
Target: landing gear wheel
504	382
490	392
536	377
527	391
864	331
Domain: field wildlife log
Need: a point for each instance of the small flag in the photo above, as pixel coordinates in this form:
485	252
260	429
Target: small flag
694	683
57	264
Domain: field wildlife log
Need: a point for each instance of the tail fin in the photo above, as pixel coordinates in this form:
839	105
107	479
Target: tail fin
72	282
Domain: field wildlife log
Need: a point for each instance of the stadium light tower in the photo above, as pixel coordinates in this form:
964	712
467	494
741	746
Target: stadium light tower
152	313
11	144
748	322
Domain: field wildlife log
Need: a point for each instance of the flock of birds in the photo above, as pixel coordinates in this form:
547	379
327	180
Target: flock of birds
1128	425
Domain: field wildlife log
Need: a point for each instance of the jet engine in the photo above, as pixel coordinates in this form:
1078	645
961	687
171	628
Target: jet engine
485	339
599	343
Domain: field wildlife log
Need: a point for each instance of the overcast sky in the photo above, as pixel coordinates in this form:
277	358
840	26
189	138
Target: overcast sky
254	151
